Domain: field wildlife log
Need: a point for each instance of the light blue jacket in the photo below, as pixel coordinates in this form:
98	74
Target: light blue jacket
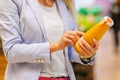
24	39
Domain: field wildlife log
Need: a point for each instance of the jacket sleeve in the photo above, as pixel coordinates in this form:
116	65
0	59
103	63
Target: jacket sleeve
14	49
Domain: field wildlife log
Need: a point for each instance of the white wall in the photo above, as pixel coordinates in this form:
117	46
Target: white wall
1	1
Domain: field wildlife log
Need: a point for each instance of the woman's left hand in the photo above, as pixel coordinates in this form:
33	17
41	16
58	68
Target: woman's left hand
86	49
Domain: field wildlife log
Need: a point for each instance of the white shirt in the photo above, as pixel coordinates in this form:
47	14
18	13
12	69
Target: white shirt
54	30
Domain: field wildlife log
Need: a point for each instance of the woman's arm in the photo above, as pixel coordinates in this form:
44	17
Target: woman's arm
68	38
14	48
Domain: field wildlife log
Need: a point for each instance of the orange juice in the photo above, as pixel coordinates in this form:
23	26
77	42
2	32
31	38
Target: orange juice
96	32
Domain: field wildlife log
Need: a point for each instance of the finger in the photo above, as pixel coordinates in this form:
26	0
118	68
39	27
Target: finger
73	33
88	48
96	44
82	53
68	41
87	45
77	34
71	37
83	50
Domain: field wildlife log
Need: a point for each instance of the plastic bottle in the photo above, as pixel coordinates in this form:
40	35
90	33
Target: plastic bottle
96	32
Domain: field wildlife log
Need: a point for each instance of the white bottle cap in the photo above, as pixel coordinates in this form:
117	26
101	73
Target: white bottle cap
109	21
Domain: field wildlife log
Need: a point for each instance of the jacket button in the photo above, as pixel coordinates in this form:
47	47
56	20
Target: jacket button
39	61
42	60
35	61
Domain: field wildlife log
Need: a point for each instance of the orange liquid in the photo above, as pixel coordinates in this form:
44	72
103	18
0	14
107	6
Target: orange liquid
96	32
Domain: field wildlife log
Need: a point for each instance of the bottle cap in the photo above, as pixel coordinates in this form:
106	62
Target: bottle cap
108	21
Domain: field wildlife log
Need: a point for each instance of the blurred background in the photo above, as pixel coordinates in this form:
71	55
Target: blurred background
107	61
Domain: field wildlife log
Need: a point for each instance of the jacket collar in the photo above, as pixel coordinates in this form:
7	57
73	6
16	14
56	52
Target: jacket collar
35	6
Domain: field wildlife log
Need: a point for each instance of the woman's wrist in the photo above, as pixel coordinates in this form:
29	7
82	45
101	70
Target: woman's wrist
87	60
54	47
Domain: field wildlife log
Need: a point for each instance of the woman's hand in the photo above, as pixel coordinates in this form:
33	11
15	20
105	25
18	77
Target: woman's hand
86	49
68	38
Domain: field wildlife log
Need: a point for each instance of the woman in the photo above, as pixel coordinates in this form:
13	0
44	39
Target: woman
115	15
38	36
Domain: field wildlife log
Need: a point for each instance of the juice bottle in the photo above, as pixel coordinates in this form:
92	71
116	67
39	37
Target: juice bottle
96	32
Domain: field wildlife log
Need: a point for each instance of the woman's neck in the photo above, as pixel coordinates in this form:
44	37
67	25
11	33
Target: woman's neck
48	3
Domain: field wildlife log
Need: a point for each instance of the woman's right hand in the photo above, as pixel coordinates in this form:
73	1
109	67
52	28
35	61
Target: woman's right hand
68	38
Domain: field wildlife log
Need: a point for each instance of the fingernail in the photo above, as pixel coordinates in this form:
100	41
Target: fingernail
94	39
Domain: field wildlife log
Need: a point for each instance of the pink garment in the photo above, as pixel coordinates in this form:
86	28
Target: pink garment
58	78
